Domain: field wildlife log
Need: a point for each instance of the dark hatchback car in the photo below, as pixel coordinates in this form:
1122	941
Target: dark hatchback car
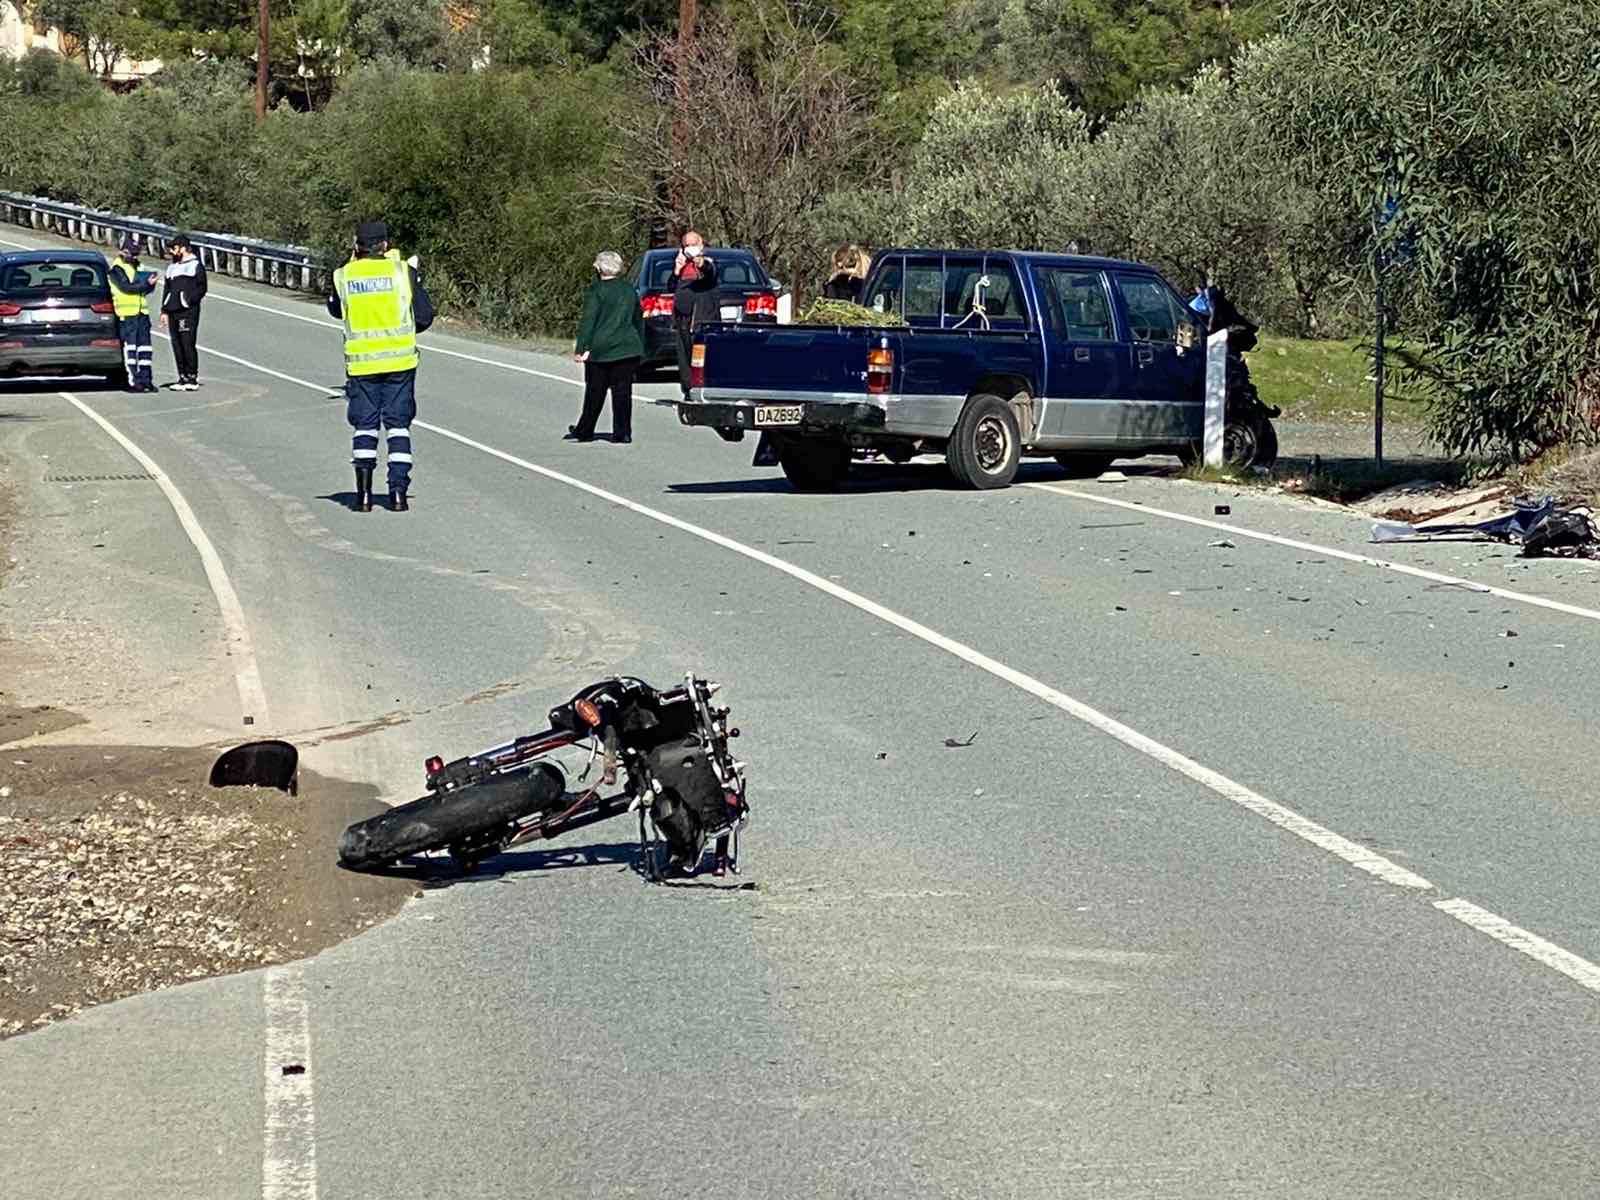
745	292
56	316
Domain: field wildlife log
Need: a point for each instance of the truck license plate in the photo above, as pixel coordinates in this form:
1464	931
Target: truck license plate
779	414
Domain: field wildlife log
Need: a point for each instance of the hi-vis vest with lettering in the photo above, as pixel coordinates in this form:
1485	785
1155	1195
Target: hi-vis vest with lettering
380	331
126	304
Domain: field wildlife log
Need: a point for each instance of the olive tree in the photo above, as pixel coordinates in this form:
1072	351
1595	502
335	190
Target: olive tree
1467	134
997	169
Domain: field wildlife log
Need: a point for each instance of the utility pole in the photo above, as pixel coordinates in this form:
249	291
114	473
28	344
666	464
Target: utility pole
687	16
261	60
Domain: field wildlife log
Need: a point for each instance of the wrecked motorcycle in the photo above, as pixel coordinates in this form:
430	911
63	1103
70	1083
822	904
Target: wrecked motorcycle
1248	438
670	749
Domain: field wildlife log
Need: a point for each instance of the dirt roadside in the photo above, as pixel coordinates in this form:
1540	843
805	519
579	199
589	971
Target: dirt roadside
122	871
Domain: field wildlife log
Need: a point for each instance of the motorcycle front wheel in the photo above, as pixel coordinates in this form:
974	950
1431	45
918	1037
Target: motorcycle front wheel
465	816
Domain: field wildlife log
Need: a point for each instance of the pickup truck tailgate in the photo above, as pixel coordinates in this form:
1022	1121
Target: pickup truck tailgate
751	361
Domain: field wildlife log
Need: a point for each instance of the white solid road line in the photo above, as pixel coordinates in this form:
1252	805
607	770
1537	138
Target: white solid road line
1577	969
1571	610
1571	965
247	675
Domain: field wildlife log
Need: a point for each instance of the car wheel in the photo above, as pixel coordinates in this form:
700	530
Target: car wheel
1081	466
814	466
986	445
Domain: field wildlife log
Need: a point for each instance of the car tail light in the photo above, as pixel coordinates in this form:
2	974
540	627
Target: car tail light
656	306
763	304
697	365
880	369
7	309
105	343
102	306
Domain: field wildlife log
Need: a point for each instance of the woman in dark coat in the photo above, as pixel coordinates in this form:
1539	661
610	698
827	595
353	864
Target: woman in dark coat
610	344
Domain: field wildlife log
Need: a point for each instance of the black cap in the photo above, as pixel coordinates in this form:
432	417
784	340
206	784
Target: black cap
130	245
370	233
181	239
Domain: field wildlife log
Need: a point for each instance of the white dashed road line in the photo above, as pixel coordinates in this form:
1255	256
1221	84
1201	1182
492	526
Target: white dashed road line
1573	967
288	1143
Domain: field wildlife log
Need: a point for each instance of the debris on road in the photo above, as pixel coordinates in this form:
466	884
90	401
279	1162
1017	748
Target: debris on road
1540	527
955	745
1221	510
1111	477
1222	544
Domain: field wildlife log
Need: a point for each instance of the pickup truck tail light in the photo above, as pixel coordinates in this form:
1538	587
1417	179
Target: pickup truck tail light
880	370
8	309
101	306
763	304
656	306
697	365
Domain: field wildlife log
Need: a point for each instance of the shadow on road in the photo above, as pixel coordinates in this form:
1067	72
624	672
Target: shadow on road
925	476
36	386
436	871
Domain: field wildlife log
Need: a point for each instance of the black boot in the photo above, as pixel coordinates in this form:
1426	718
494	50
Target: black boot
363	489
397	500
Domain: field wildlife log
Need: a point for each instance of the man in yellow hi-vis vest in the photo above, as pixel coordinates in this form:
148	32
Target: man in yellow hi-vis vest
130	300
383	306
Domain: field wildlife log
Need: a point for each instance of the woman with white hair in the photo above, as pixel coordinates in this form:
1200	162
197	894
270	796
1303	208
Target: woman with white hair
610	344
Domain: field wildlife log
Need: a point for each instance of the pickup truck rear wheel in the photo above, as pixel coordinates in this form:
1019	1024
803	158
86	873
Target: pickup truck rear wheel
985	445
814	466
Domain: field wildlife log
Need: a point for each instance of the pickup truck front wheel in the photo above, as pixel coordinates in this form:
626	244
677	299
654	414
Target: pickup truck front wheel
814	466
985	446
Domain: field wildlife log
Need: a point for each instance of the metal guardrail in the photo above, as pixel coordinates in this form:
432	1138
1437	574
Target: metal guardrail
226	254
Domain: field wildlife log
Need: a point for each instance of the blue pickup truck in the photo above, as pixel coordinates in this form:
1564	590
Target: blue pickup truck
986	357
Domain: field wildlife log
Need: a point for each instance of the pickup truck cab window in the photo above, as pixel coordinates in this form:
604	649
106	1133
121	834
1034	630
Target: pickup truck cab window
1154	313
883	292
924	291
1002	300
1076	304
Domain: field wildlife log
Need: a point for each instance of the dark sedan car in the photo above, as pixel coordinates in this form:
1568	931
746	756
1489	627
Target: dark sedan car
56	316
744	289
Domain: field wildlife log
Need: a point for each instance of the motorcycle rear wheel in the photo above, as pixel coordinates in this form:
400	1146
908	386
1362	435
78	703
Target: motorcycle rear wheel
466	816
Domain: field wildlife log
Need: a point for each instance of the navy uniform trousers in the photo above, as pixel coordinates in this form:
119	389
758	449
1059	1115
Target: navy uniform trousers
384	402
134	333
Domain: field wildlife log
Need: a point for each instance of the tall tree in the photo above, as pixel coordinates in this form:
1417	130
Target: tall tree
775	121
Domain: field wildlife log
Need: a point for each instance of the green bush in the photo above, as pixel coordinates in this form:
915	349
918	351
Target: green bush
486	175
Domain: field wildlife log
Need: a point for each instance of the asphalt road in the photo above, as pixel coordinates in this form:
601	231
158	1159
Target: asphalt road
1046	964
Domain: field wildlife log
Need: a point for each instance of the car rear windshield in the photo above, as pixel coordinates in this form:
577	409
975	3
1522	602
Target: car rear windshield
47	278
734	270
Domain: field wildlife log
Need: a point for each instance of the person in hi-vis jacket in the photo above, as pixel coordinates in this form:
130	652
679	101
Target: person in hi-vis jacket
130	300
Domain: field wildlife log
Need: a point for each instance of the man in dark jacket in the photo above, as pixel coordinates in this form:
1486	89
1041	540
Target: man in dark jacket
383	306
695	300
130	292
180	309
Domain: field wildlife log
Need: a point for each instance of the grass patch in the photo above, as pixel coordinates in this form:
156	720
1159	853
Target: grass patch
1323	381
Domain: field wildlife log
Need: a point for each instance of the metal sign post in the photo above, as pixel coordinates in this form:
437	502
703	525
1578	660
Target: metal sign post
1216	396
